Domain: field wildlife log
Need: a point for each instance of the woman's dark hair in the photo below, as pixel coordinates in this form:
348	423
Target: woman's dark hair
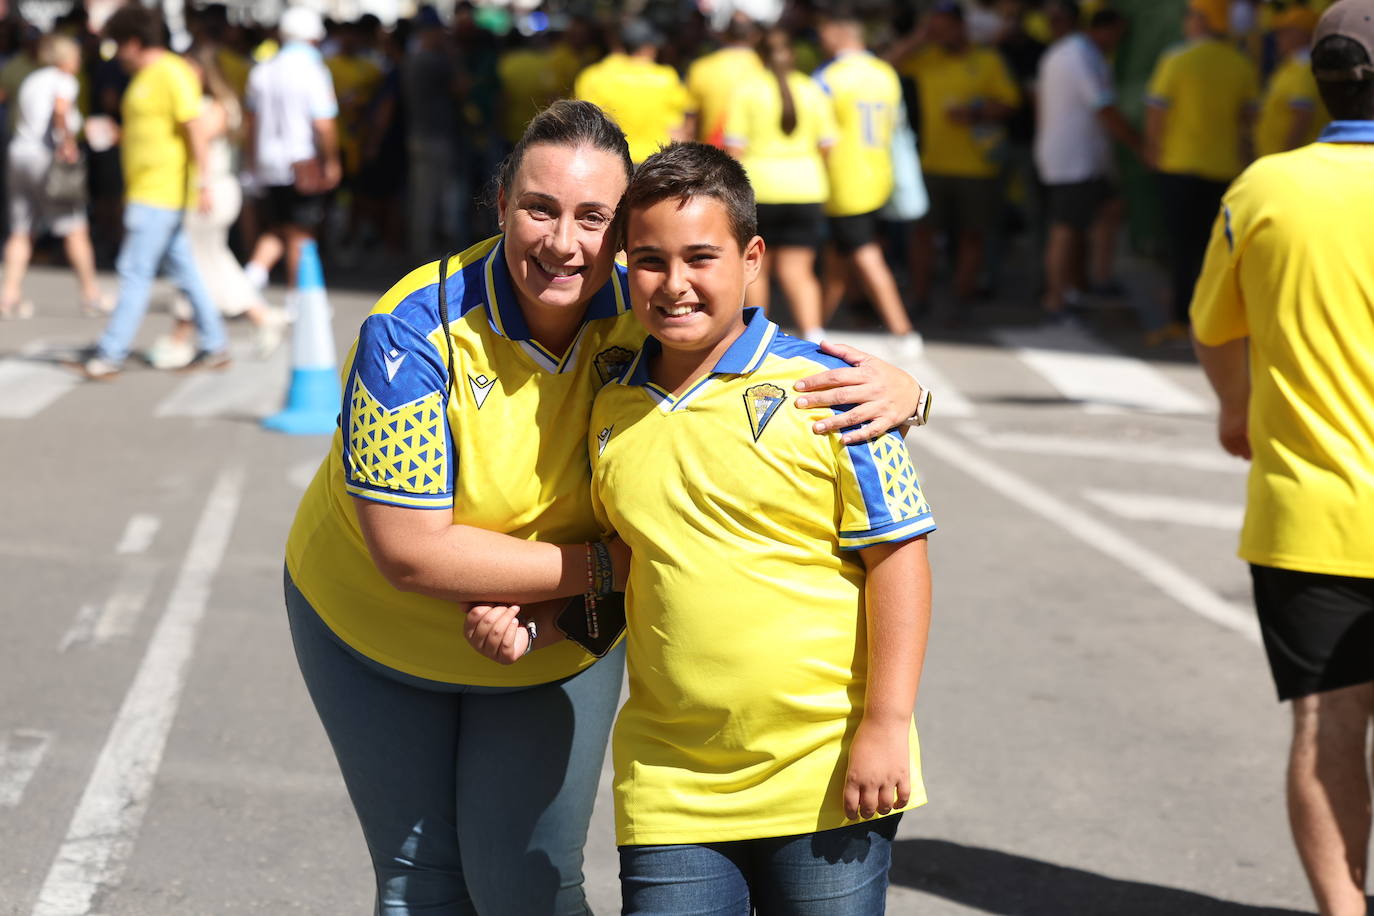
1337	62
775	49
134	23
568	123
687	170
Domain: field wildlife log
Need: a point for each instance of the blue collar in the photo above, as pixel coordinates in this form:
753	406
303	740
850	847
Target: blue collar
1348	132
503	308
744	356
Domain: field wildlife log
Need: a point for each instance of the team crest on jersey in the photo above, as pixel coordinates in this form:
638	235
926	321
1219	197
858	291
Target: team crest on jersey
481	387
612	363
760	403
602	438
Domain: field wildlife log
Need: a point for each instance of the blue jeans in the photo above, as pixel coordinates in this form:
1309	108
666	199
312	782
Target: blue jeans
472	799
841	872
155	237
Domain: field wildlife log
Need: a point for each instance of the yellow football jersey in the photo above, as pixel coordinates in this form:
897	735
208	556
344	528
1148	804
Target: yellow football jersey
712	80
158	168
866	95
945	81
1291	267
1207	86
646	99
1291	89
500	447
747	643
783	168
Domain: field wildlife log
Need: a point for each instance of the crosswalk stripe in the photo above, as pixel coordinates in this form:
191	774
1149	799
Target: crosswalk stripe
1156	507
1084	369
249	387
21	751
31	383
946	400
1112	449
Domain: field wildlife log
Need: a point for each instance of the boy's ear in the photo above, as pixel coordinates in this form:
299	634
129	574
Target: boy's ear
753	259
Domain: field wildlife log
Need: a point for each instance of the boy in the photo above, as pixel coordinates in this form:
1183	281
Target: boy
779	594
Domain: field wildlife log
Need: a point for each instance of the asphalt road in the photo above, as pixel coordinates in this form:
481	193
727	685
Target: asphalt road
1099	731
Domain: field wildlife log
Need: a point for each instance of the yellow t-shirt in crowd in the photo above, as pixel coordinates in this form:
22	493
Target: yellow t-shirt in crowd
235	68
646	99
1207	87
783	168
566	62
1292	89
866	96
356	79
501	446
1291	267
712	80
529	83
747	645
161	98
946	81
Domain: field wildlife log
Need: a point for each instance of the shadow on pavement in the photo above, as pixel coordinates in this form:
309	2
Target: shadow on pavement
999	882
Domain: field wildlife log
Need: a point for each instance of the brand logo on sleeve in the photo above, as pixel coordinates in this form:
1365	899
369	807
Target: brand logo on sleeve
760	403
393	362
481	387
602	438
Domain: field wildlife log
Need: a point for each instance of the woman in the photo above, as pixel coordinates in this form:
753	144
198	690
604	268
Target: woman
46	124
780	126
462	474
233	292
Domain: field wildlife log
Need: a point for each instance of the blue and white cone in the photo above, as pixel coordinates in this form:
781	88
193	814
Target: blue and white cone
312	404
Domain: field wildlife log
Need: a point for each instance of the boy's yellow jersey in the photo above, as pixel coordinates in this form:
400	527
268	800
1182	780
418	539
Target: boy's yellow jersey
1291	267
944	81
1292	90
499	447
158	168
747	641
783	168
646	99
712	81
1207	88
866	95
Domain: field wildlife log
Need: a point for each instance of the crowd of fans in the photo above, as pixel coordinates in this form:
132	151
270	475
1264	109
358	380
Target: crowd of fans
1011	103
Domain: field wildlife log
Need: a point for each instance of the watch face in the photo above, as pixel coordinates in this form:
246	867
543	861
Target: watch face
923	407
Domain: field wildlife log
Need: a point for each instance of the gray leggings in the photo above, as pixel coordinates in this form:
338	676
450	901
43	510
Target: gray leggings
472	799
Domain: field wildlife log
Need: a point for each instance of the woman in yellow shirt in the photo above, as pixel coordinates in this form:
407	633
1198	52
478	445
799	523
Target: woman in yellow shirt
780	126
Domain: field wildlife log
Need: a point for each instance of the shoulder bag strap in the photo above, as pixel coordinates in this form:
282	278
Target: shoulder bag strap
443	317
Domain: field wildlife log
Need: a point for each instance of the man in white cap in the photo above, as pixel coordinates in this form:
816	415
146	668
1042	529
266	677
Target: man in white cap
292	148
1283	317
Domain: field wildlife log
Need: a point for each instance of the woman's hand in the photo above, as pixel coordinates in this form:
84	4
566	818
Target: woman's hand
497	632
879	777
884	397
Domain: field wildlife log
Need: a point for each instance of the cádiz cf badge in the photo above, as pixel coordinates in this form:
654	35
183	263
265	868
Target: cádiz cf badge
612	363
760	403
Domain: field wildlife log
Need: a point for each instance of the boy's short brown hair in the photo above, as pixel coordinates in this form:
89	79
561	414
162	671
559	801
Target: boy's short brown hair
688	170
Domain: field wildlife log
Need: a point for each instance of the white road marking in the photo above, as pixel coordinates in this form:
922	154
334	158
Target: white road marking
107	819
21	750
1153	507
1168	578
31	383
100	623
1113	449
248	388
138	534
946	400
1084	369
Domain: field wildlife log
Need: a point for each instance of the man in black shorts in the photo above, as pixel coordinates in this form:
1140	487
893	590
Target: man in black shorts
1283	316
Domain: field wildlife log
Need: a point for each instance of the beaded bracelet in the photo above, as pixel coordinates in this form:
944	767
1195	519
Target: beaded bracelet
600	581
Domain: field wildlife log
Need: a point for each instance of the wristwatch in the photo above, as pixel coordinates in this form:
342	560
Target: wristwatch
922	415
534	634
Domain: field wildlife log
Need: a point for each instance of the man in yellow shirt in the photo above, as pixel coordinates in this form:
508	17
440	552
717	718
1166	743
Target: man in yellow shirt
966	94
646	98
1284	325
1200	107
164	147
713	78
1292	114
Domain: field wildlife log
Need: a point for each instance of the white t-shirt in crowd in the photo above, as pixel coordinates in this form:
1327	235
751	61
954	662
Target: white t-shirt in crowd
1071	145
34	106
286	95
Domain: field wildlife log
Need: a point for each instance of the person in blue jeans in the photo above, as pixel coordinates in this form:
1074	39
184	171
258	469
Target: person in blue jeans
164	147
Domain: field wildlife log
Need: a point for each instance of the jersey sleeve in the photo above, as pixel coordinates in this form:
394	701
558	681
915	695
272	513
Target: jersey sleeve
397	446
881	497
186	102
323	102
827	131
1093	81
1218	308
1159	92
598	435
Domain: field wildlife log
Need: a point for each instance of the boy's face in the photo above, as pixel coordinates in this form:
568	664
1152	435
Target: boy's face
688	275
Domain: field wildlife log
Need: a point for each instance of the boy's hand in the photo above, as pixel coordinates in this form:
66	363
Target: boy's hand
496	632
879	777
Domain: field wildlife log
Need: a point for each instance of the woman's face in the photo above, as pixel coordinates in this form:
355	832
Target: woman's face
557	217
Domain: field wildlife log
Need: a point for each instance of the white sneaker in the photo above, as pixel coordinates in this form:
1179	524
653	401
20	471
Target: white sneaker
270	331
169	353
911	346
99	369
256	275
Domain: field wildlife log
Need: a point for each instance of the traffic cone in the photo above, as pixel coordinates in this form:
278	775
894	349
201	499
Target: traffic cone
312	404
